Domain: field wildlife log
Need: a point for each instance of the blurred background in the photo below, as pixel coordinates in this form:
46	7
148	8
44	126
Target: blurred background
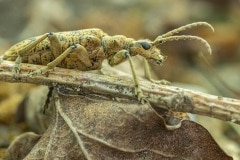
184	67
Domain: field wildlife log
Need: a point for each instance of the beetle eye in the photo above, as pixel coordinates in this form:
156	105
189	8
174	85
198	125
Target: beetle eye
145	45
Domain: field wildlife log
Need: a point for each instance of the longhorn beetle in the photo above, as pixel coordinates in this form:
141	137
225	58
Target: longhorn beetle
86	49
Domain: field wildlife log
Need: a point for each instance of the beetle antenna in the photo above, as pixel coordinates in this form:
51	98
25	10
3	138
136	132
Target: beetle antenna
161	40
183	28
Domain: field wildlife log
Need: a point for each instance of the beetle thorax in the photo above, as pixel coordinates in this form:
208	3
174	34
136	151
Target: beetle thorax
112	44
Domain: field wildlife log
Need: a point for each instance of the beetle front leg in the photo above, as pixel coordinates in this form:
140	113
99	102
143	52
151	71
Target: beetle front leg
148	74
121	56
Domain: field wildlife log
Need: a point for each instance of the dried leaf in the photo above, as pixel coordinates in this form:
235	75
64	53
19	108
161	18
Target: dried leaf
94	127
22	145
34	103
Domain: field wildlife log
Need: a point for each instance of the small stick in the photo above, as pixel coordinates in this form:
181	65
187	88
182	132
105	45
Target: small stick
163	96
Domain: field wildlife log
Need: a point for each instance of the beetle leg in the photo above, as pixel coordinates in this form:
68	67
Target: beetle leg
54	45
148	74
121	56
117	58
77	49
27	48
24	51
16	67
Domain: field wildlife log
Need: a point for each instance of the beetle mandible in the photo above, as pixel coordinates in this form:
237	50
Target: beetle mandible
86	49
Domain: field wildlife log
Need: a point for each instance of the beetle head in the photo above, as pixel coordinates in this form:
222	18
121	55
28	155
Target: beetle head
148	50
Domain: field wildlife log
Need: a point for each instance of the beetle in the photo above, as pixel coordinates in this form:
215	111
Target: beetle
86	49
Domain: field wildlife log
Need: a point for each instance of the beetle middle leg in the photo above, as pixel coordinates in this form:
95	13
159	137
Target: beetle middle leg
56	49
77	49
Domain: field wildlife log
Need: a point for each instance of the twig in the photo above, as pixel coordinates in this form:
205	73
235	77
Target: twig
166	97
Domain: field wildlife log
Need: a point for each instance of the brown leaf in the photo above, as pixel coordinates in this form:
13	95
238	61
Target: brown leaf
22	145
94	127
33	104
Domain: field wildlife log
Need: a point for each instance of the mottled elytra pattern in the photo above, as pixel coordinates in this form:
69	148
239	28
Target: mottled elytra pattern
86	49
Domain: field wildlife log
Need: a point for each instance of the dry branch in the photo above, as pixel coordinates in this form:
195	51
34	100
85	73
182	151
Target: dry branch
166	97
